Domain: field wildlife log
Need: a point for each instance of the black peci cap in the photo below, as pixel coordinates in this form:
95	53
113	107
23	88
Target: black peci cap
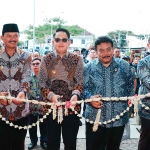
11	27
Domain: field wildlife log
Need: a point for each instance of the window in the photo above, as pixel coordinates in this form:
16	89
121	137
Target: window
82	41
37	48
46	48
49	41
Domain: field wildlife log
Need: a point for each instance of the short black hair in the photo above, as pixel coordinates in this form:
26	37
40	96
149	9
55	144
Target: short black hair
126	57
83	50
51	52
117	47
62	30
137	56
37	51
76	50
103	39
46	52
36	59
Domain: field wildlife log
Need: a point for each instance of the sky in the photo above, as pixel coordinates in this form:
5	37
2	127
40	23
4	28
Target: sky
97	16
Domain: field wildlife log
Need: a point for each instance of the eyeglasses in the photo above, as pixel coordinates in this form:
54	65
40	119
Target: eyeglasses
35	64
64	40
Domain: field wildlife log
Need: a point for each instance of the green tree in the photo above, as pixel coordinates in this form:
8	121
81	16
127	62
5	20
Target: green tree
43	31
21	44
56	22
119	37
74	30
40	32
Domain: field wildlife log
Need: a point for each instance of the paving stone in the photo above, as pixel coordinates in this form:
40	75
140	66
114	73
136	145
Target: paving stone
130	144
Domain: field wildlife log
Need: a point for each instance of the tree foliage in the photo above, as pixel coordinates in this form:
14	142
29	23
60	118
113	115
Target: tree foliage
43	31
74	30
20	43
119	37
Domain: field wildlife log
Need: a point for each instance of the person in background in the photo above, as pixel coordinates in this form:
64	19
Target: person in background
47	52
136	59
36	54
143	70
15	77
61	75
134	71
76	51
117	52
135	77
35	94
134	64
92	54
147	52
84	53
106	77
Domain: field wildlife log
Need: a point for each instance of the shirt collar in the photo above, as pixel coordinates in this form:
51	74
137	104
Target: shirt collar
114	61
33	74
65	55
2	50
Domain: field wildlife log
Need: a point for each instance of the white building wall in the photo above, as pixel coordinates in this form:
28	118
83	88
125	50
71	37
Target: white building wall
77	42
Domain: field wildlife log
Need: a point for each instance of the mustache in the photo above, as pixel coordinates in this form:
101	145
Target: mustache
12	41
106	56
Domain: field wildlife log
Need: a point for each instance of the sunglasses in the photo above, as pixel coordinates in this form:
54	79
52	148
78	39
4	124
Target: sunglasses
57	40
35	64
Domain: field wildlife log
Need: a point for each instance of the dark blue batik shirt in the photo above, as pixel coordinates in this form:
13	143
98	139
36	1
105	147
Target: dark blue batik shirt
116	80
143	70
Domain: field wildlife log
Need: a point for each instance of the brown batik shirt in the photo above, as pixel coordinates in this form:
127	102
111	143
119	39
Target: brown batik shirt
62	76
14	76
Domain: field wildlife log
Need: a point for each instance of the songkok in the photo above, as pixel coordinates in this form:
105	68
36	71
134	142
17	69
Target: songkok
11	27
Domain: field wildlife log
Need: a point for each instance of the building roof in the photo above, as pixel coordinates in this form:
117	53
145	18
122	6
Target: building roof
85	32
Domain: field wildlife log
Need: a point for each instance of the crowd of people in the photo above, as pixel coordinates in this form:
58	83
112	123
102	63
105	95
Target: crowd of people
64	76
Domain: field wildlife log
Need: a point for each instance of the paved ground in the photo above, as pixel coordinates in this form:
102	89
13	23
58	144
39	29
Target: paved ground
129	144
80	145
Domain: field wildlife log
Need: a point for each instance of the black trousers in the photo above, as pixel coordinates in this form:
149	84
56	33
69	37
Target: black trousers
144	142
11	138
69	129
110	137
33	131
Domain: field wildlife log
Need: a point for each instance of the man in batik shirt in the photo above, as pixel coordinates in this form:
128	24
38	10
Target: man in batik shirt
14	79
62	75
143	70
107	77
35	94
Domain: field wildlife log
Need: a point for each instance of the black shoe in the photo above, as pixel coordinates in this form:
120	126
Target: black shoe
31	146
43	145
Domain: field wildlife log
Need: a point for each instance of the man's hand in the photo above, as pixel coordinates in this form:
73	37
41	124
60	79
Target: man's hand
21	95
3	101
96	104
73	100
55	98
